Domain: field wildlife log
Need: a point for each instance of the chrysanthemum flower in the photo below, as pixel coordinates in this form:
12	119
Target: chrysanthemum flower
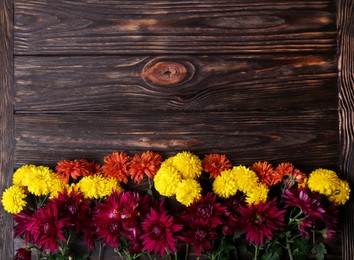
246	179
24	224
330	219
48	228
215	164
257	194
75	169
115	216
323	181
57	185
160	231
188	164
341	193
23	254
201	236
117	165
261	220
225	185
73	206
96	186
13	199
233	211
40	180
22	175
306	225
308	202
265	172
166	180
147	163
188	191
206	210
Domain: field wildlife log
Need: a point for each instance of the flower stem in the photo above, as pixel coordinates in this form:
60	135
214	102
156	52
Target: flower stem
187	252
288	247
256	253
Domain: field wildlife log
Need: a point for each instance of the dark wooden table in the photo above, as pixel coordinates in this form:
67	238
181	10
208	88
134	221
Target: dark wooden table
256	80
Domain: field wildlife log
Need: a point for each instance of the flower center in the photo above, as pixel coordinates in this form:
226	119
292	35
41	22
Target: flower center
158	231
114	227
205	211
73	209
200	235
49	229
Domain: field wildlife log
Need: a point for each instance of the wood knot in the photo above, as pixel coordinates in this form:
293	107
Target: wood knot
162	72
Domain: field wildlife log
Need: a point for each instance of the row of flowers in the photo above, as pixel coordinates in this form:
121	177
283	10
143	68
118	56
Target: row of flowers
206	205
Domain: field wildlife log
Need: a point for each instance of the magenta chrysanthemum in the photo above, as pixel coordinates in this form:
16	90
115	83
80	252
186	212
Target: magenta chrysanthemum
201	236
206	210
117	216
23	254
261	220
159	231
48	227
308	202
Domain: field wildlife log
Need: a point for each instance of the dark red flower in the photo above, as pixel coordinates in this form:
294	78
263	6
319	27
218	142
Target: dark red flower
147	163
25	222
330	219
215	164
75	169
261	220
232	214
200	235
23	254
306	225
117	165
73	206
309	202
48	227
116	216
206	211
160	231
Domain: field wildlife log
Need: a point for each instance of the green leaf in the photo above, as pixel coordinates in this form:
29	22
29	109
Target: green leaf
320	251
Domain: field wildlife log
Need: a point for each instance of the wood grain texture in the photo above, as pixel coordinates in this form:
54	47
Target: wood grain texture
6	122
242	82
346	113
160	27
243	136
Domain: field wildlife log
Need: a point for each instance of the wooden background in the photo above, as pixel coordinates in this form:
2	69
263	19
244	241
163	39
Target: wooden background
255	79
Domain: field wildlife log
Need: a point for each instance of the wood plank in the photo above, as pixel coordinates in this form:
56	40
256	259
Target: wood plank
183	26
309	139
103	83
346	114
6	122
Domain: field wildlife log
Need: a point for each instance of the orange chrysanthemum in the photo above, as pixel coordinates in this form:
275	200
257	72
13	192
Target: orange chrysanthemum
75	169
117	165
215	164
265	173
147	163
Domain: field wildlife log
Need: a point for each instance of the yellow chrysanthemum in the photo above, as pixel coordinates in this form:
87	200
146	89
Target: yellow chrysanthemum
167	162
57	185
258	194
341	193
323	181
188	164
94	186
225	184
13	199
166	180
246	179
188	191
22	175
112	184
40	180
